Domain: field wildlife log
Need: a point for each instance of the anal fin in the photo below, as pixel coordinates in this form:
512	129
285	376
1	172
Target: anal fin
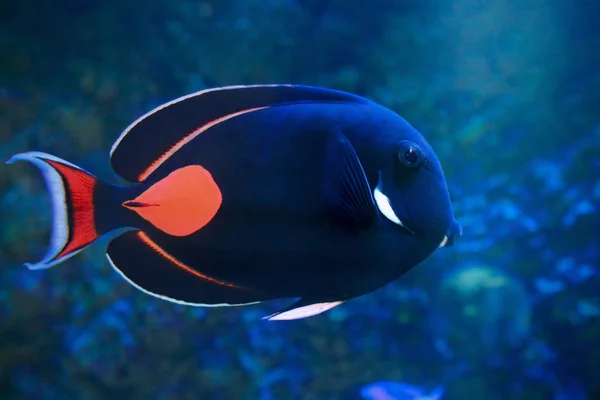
302	309
150	268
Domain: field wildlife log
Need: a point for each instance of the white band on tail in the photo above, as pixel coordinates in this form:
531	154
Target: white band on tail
56	187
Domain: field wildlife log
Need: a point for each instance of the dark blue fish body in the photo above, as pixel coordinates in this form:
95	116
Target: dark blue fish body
315	193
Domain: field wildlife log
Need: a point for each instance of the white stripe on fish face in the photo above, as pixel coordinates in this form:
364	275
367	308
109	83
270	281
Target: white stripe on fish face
384	206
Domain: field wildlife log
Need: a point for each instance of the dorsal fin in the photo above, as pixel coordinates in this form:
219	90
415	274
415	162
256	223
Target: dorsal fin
157	135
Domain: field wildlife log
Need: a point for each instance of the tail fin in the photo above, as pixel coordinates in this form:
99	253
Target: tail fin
72	193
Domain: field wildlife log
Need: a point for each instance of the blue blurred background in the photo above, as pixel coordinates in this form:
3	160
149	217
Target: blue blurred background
506	91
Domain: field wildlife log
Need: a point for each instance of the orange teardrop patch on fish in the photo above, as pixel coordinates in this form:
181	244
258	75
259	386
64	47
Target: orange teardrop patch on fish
181	203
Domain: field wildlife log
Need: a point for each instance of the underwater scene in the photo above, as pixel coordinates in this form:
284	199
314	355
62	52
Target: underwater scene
300	199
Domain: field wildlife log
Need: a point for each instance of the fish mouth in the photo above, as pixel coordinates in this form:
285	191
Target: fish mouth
445	243
385	208
450	237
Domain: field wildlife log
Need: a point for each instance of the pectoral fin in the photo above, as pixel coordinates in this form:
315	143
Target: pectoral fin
347	191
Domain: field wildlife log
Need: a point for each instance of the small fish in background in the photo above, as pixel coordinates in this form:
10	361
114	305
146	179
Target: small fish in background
388	390
245	194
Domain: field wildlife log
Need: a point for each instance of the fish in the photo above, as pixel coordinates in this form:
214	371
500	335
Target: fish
240	195
389	390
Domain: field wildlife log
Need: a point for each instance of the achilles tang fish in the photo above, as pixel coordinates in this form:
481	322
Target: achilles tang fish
245	194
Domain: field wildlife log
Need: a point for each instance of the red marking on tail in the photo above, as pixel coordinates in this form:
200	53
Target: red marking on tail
79	195
181	203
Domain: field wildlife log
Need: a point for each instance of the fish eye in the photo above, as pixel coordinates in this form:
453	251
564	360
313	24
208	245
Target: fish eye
410	155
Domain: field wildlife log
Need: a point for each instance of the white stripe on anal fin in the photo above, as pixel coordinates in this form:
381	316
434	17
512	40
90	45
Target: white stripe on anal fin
303	312
60	226
169	299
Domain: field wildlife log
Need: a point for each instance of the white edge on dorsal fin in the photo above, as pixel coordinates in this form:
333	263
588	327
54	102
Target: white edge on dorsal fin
56	188
303	312
182	98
